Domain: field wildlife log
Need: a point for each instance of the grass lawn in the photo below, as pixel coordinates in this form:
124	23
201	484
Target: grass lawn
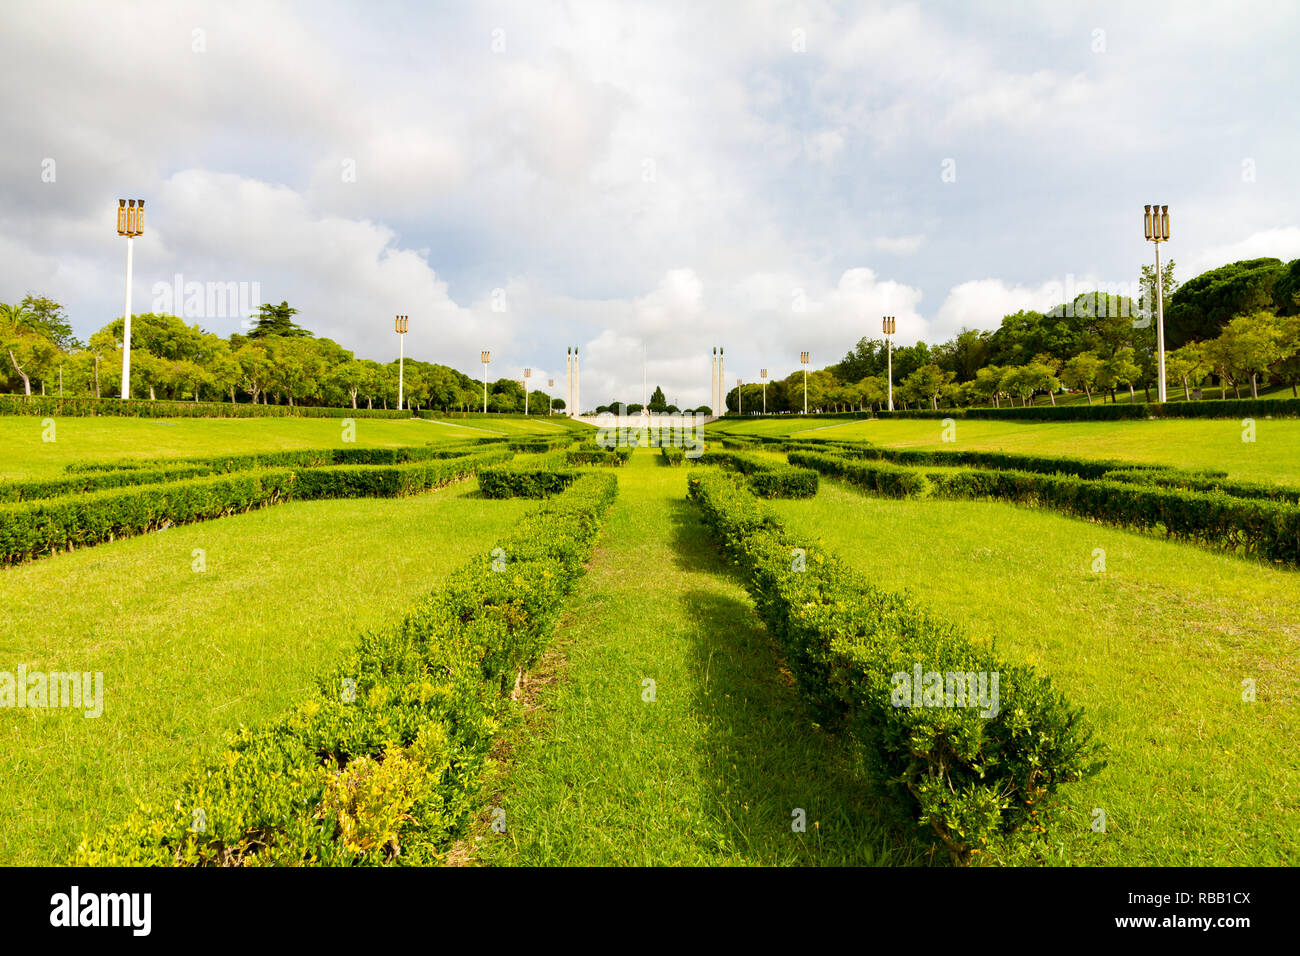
1190	443
96	438
188	657
1155	647
711	771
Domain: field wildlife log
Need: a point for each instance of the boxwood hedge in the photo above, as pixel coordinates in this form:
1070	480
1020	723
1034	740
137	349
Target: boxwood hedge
385	762
970	774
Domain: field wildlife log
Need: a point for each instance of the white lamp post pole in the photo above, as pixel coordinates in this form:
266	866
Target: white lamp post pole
763	375
130	223
803	360
889	326
401	361
527	372
486	357
1156	224
550	399
740	397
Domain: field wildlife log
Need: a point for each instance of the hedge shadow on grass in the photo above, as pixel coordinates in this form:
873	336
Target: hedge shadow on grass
765	752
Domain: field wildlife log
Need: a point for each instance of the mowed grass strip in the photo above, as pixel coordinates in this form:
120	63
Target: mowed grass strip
1156	647
716	769
188	656
27	454
1274	455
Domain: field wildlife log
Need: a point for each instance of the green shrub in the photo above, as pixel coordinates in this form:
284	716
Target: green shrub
971	775
385	762
30	529
768	479
672	455
892	481
1230	408
1190	481
54	406
299	458
610	457
537	479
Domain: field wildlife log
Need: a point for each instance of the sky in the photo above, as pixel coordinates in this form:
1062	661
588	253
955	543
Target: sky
524	177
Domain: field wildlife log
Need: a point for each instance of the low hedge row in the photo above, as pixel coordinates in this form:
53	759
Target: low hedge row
47	526
534	479
672	455
52	405
1267	529
83	482
767	479
1172	478
1230	408
972	773
610	457
540	444
298	458
385	762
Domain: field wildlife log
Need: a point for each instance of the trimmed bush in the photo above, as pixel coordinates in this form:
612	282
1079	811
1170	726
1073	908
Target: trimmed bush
299	458
970	774
1171	478
893	481
536	479
386	761
47	526
54	406
767	479
1229	408
672	455
609	457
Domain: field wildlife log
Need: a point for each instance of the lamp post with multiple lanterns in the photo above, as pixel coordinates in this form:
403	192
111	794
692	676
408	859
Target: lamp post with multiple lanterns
485	356
762	373
740	397
527	373
1156	223
550	399
130	223
889	326
401	360
803	360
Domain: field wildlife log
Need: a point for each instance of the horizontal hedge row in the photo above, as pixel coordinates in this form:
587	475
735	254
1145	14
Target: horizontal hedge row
1267	529
1173	478
296	458
30	489
539	478
385	762
540	443
52	405
672	455
47	526
767	479
971	773
609	457
956	458
1231	408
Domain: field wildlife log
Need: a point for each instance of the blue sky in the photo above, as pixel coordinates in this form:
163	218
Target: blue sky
768	177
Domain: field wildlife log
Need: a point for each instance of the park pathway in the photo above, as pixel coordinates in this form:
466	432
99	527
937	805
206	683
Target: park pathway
667	732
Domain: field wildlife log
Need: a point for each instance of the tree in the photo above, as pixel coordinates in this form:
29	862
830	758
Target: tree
30	352
1287	368
277	320
658	403
46	317
988	384
1250	344
1148	284
927	382
1202	306
872	392
1119	369
254	364
1081	373
1187	365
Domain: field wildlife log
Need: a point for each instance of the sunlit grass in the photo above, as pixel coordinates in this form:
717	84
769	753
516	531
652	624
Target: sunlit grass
186	656
1156	647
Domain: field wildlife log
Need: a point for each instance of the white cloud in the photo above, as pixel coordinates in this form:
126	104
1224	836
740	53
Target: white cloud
1281	243
900	246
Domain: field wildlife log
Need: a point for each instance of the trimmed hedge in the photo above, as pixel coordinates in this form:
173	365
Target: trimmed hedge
299	458
54	406
1267	529
970	774
537	479
1228	408
385	762
609	457
1189	481
673	455
768	479
47	526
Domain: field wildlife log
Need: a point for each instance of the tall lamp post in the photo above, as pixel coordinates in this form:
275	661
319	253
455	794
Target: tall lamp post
130	223
803	360
740	397
485	356
550	399
527	372
762	373
401	360
1156	223
889	326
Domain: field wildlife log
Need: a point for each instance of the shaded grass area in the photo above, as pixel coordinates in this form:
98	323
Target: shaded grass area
1156	647
189	656
1185	443
712	771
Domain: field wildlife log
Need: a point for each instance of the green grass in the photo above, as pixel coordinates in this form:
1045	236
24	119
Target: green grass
1156	648
94	438
188	657
1188	443
709	773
